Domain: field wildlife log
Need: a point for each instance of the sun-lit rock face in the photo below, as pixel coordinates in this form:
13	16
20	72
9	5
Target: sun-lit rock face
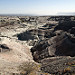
12	55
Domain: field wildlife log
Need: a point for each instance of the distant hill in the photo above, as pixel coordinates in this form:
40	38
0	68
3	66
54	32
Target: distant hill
66	13
18	15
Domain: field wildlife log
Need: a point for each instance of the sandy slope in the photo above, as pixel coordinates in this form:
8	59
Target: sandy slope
19	52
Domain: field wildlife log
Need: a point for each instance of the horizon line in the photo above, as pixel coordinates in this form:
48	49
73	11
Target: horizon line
22	14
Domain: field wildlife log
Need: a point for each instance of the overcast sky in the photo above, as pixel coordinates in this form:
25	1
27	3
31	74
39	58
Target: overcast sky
37	7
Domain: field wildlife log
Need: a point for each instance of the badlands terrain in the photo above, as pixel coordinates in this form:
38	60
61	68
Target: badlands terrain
37	45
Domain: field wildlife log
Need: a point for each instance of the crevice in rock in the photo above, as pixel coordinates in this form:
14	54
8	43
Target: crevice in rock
4	48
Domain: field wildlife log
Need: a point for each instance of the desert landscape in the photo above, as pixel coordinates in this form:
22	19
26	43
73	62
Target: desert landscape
37	45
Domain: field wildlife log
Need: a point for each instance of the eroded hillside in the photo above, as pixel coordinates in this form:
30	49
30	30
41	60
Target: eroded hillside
45	40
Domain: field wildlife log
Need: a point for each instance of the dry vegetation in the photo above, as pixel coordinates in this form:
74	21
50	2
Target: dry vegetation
29	68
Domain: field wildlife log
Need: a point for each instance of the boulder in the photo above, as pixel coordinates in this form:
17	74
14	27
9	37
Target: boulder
61	45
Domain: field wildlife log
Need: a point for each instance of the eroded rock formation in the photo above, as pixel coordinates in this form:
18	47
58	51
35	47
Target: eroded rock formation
62	44
49	40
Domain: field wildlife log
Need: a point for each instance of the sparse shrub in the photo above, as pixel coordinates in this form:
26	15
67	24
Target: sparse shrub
12	23
68	69
71	63
2	21
29	68
7	23
44	74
